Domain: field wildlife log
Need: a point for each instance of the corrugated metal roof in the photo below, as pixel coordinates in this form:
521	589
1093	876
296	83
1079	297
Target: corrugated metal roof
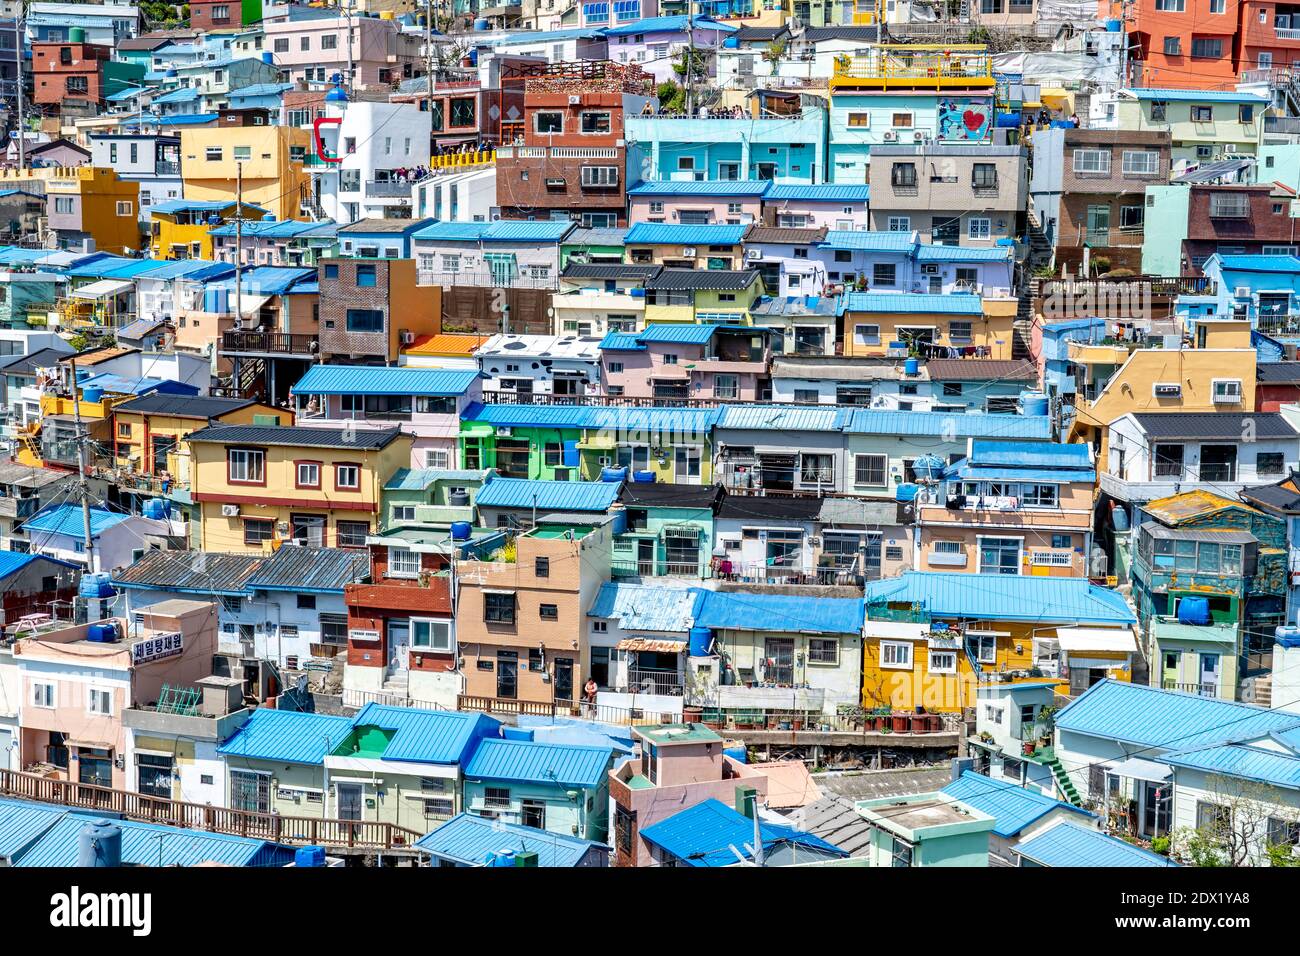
22	823
607	270
1012	807
183	406
280	229
1210	425
1248	763
13	561
1009	597
1068	844
292	567
615	418
931	253
548	495
384	380
704	834
418	479
669	24
724	280
285	736
793	418
680	333
779	612
680	234
67	519
864	241
428	736
640	607
707	187
1031	454
358	438
197	270
981	370
870	421
267	280
783	235
1288	264
518	230
621	342
197	572
820	192
912	303
1165	719
1287	373
527	761
472	840
1199	96
445	343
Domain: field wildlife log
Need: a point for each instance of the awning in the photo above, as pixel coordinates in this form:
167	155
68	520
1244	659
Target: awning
100	289
897	630
249	304
648	644
1135	768
1096	639
90	744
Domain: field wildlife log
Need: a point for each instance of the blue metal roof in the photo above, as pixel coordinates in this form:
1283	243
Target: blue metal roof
428	736
184	119
911	303
1287	264
261	89
96	266
864	241
870	421
1068	844
930	253
1009	597
548	495
126	385
185	94
525	761
703	835
964	469
451	232
286	736
13	561
706	187
1164	719
474	841
1031	454
67	519
793	418
779	612
278	229
687	333
1248	763
503	230
21	823
198	270
1199	96
1012	807
267	280
640	607
668	24
619	417
679	234
199	205
131	268
384	380
820	192
621	342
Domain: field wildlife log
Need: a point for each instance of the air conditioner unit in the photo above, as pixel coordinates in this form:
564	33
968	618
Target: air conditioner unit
575	100
688	251
753	253
918	136
930	269
505	432
890	136
408	338
230	511
1241	292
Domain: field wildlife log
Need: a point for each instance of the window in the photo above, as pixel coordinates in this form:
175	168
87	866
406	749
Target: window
306	602
1229	205
1132	217
1173	46
959	331
429	635
347	477
1095	161
600	175
308	474
869	469
943	662
243	152
366	277
548	122
403	513
984	176
498	607
352	534
979	227
329	42
1038	496
1217	6
232	603
595	122
63	205
1213	818
866	335
687	462
125	207
1227	391
902	120
1245	113
365	320
1141	162
250	791
1202	114
99	702
548	612
823	650
154	774
903	174
43	696
1269	463
281	44
257	531
212	154
332	271
1204	48
900	853
246	466
883	273
497	797
403	563
999	555
900	224
986	648
859	120
896	655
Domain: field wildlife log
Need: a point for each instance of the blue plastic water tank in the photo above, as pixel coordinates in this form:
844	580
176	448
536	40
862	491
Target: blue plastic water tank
504	858
267	57
1288	635
100	844
912	366
730	43
461	530
1114	26
97	585
155	508
636	293
701	641
644	477
905	492
1194	610
929	466
92	394
309	856
102	633
613	474
1037	405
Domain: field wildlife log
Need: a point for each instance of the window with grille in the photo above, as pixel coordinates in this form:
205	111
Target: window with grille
823	650
1229	206
498	797
870	469
1092	161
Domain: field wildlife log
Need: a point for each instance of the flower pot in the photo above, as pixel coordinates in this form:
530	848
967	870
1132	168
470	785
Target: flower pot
1027	749
900	723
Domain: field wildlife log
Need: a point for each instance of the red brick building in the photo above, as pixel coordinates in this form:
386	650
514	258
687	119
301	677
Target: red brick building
69	74
568	154
1238	220
216	14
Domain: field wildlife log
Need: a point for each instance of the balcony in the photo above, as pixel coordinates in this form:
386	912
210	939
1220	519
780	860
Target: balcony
486	280
269	344
915	66
1163	487
491	396
771	697
654	680
386	189
167	167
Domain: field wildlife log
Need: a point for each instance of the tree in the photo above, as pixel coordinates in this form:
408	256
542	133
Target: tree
1242	829
671	96
699	65
774	54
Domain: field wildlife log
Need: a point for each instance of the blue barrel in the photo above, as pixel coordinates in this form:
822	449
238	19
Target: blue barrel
102	633
912	366
1194	610
905	492
309	856
96	585
461	530
643	477
929	466
99	844
1036	405
701	641
1114	26
92	394
482	24
613	474
155	508
1287	635
571	454
738	754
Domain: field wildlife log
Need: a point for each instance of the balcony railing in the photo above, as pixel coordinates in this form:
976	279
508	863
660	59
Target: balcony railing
493	396
654	680
386	189
276	343
486	280
1200	689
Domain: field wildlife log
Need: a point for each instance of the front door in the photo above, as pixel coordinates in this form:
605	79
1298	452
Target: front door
349	800
399	647
1155	809
779	657
1209	675
507	678
1171	670
1098	226
563	678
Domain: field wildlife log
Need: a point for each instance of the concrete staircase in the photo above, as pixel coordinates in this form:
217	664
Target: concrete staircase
1063	783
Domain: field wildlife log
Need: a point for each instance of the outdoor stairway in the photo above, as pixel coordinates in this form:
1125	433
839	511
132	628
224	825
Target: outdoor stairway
1022	325
1063	782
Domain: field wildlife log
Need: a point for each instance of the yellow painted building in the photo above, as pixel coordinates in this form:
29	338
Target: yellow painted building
871	322
272	179
85	202
1218	375
320	487
181	228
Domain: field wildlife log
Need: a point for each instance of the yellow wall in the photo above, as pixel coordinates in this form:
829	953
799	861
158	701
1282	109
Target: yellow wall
270	179
278	499
136	429
945	693
101	190
166	232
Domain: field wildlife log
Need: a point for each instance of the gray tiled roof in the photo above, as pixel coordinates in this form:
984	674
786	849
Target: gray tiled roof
360	438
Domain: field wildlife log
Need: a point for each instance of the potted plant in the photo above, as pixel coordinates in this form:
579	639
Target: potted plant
986	737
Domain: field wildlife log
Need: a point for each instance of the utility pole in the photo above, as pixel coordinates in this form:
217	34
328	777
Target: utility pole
690	60
428	52
20	28
351	65
82	466
239	241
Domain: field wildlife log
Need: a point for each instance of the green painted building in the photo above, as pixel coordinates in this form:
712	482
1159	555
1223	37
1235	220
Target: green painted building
926	829
26	293
669	530
593	245
428	498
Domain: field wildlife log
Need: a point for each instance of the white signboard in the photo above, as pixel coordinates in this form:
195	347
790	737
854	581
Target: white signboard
157	648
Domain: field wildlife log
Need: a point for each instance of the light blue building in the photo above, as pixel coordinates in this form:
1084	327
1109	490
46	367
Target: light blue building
1263	289
468	840
1058	373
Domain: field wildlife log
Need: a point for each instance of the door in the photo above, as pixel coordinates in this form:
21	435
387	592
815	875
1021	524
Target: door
309	530
399	647
348	796
936	285
645	557
779	659
507	678
1209	675
563	678
1155	809
1098	226
1171	671
532	813
95	767
1218	462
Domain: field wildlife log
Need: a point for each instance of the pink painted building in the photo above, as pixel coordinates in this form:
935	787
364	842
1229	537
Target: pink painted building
697	203
675	361
314	50
817	206
680	765
74	689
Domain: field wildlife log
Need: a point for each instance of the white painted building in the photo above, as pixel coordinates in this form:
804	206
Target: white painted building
117	539
374	140
540	364
457	195
151	159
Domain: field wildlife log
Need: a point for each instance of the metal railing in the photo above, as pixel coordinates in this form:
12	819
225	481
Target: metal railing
497	397
359	698
288	343
386	189
486	280
1201	689
356	834
654	680
577	708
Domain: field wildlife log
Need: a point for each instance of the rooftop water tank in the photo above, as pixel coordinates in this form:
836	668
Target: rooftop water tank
268	57
1114	26
1035	404
701	641
461	530
77	35
905	492
97	585
912	367
613	474
92	394
155	508
1288	635
458	498
738	754
336	95
105	633
309	856
643	477
1194	610
482	24
99	844
929	466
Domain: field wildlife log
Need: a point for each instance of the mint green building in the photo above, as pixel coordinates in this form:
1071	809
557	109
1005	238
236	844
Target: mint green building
429	498
669	530
1164	229
926	829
